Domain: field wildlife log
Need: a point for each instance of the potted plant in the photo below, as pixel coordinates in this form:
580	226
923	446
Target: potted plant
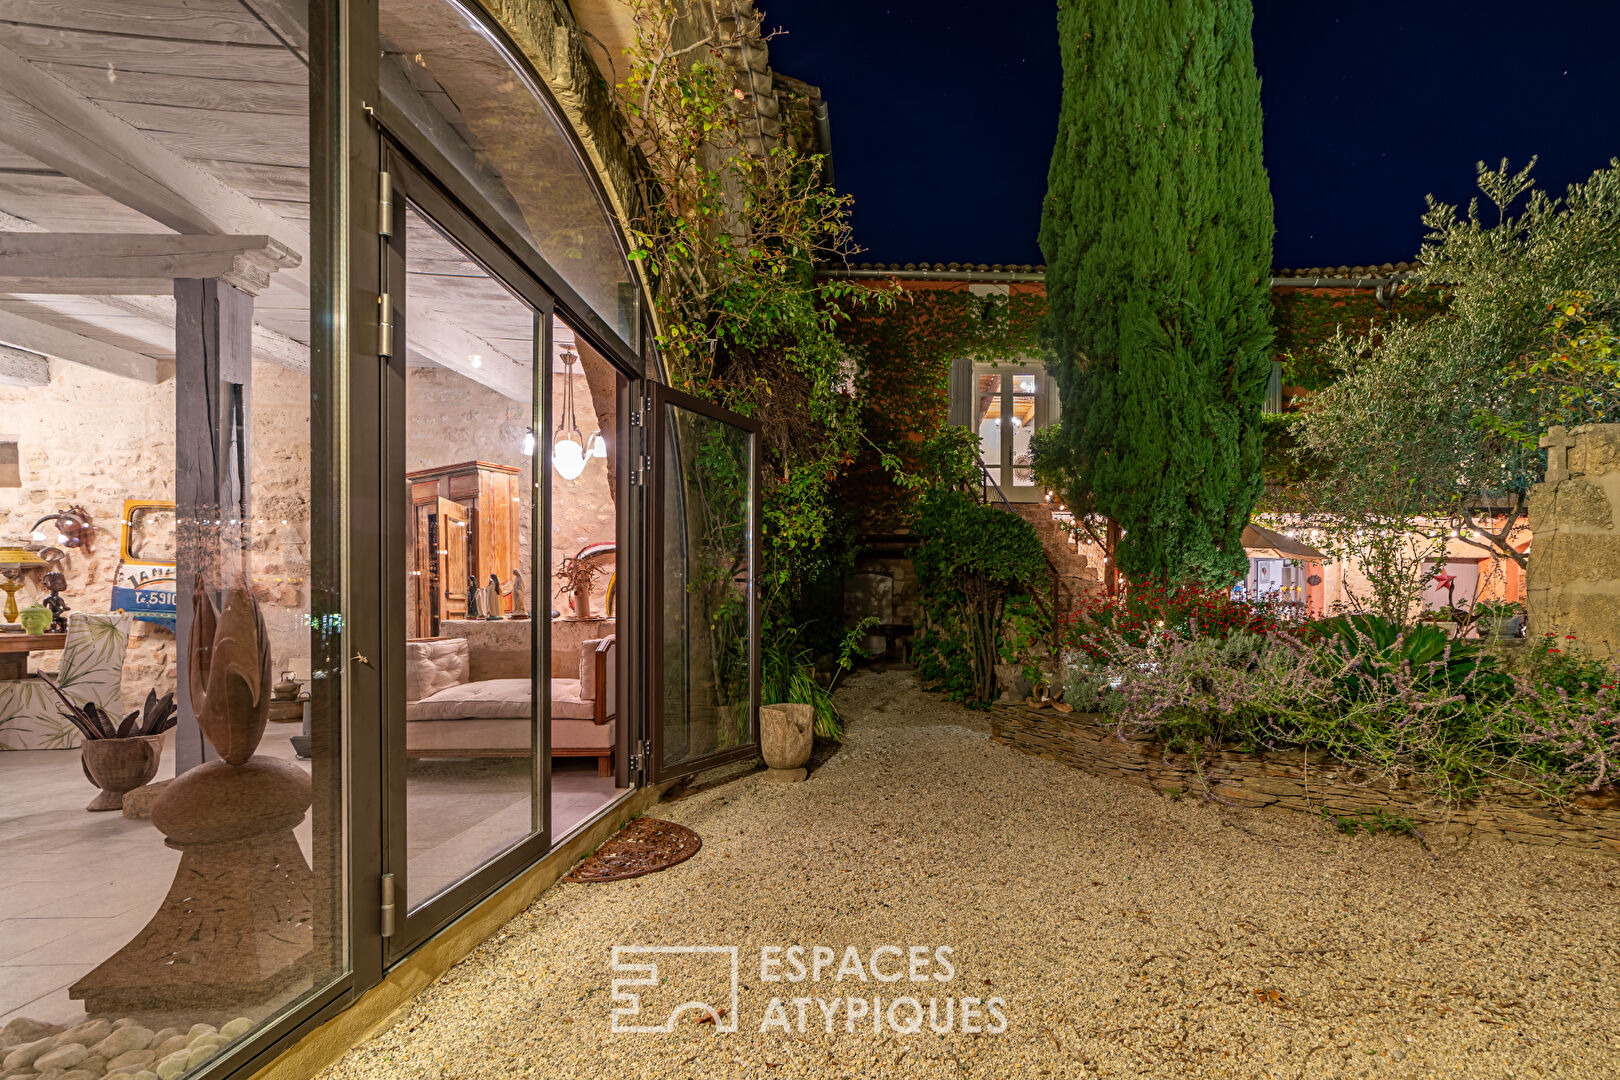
119	757
1499	618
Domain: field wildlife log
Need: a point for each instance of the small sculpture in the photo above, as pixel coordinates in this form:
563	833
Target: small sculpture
520	607
56	582
475	597
492	598
576	574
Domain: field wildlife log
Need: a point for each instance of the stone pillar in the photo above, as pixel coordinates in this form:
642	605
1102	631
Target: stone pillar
1574	572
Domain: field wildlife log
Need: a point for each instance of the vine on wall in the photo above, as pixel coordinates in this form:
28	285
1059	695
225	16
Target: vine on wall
1305	319
904	380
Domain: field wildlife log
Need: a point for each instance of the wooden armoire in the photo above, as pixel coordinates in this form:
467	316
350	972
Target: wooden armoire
464	523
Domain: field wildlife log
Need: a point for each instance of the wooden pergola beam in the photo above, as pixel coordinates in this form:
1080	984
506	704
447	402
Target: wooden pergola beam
111	264
19	367
55	124
34	336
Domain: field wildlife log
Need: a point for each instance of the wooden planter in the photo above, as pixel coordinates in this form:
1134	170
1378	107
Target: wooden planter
118	766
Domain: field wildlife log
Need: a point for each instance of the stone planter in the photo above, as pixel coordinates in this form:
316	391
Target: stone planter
786	734
117	766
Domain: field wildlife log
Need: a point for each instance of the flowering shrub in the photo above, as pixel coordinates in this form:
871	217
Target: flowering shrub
1193	609
1397	702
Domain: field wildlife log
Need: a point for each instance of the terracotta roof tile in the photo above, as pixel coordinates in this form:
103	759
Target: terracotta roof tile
1372	271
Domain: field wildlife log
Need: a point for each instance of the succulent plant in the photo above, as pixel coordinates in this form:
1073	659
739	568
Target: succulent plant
156	716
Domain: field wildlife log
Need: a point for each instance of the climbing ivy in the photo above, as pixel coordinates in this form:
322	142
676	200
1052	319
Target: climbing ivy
1305	320
904	381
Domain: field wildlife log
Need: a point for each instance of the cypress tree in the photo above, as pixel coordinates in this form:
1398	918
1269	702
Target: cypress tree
1157	234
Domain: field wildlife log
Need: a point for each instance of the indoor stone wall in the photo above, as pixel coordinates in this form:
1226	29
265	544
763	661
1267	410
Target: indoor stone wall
1574	573
451	419
1308	782
94	439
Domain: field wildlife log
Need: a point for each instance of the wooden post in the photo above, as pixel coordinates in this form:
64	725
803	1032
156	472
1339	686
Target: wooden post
213	365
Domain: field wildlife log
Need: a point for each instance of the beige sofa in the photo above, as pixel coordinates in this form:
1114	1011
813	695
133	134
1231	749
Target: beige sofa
467	695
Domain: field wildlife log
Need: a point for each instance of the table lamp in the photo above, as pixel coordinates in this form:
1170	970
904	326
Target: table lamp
13	561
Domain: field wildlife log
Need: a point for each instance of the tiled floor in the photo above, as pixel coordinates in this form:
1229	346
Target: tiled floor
75	886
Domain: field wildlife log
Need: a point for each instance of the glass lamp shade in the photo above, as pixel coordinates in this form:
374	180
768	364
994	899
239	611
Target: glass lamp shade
596	446
568	456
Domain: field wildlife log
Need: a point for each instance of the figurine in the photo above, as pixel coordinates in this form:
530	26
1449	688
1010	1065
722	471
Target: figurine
519	605
55	581
475	598
492	598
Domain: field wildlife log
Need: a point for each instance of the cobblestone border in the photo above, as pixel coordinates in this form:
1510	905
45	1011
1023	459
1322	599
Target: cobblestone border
1306	781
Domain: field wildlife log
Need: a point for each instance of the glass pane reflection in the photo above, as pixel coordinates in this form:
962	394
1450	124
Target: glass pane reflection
707	525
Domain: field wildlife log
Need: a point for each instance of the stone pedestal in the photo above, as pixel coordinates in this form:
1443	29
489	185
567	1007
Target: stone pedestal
236	926
1573	585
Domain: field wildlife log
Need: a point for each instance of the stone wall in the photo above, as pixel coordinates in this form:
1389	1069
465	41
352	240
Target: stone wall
1574	574
1308	782
451	419
94	439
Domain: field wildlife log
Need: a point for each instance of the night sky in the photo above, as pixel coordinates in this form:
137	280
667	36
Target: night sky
944	113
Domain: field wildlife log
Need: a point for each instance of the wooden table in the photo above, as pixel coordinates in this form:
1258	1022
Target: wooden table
14	650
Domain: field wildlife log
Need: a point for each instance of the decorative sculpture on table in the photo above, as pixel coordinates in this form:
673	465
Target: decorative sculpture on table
576	575
520	606
236	928
55	581
492	598
475	599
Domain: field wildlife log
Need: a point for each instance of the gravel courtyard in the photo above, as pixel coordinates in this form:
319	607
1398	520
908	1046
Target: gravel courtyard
1129	935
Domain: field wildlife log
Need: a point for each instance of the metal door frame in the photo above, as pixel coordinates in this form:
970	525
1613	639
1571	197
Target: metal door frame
656	428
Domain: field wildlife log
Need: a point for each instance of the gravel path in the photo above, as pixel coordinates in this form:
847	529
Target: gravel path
1129	935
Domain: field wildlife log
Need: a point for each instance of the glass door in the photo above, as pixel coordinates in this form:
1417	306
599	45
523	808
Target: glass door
1010	405
702	475
465	748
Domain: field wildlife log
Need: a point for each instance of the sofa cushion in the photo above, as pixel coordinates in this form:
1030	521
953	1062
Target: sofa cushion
434	666
490	699
566	701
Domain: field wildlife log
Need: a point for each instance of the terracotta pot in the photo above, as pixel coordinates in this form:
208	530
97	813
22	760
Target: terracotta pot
582	602
786	733
117	766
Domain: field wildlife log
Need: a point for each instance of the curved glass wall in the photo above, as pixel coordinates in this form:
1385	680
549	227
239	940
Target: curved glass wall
457	88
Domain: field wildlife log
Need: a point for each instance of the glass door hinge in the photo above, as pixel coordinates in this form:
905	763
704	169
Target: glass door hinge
385	204
387	909
385	326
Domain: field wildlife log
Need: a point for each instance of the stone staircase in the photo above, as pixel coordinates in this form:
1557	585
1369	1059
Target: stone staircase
1077	576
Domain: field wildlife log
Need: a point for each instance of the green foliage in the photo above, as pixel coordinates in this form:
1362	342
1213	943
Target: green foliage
904	384
1157	233
1403	705
1306	322
787	672
1452	405
1377	821
728	240
974	561
1430	653
1573	378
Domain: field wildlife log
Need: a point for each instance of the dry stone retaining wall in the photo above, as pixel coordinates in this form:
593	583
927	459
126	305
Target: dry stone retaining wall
1307	781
